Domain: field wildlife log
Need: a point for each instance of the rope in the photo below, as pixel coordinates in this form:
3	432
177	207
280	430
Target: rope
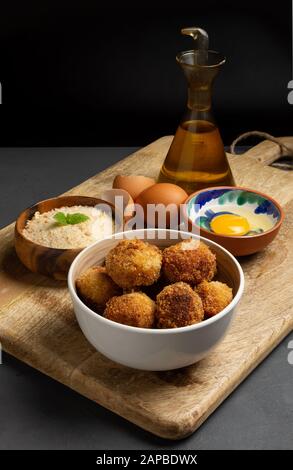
265	135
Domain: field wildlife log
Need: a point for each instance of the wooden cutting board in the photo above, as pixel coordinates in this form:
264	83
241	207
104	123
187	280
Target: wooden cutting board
37	323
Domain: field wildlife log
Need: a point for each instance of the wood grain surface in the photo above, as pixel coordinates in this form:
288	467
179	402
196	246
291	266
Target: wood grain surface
37	323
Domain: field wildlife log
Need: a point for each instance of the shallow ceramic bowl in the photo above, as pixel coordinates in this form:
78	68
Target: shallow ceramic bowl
263	213
50	262
154	349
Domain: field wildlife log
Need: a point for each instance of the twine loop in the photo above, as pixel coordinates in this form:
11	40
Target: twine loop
284	148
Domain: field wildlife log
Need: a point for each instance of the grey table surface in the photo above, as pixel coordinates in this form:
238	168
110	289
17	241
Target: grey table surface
38	413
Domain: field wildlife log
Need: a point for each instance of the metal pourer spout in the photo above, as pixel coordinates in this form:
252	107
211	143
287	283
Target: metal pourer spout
201	43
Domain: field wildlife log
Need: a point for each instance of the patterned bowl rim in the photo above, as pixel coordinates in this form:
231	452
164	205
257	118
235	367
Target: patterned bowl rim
242	188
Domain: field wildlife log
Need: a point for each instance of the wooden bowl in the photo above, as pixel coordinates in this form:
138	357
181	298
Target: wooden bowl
258	208
52	262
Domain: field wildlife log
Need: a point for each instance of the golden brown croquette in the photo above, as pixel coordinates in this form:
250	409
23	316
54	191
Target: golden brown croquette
95	287
189	261
134	263
178	305
134	309
215	296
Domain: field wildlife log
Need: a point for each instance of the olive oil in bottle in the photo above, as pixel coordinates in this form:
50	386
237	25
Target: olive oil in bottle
196	158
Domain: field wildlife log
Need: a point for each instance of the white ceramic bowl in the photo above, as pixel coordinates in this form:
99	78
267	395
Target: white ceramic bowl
154	349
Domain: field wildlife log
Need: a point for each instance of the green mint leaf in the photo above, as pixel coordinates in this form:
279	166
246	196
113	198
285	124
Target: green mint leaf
60	218
77	218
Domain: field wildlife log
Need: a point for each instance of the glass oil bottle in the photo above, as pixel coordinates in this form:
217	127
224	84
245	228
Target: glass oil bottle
196	158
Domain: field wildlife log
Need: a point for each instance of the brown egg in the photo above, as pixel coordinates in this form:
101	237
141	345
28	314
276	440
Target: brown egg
133	184
162	193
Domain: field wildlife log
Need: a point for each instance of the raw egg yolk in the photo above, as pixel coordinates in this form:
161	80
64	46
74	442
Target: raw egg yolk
229	224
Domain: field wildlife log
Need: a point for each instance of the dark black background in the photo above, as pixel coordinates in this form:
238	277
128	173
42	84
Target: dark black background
91	73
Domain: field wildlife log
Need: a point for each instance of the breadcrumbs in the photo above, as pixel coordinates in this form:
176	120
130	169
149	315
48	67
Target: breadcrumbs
44	230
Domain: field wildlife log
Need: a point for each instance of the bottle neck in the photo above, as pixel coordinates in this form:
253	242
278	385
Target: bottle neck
199	97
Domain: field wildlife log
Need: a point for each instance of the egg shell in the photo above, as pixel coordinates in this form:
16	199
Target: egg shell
110	195
161	193
133	184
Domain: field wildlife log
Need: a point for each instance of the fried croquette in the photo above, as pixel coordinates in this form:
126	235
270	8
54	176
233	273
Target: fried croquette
189	261
95	287
134	309
178	305
215	296
134	263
